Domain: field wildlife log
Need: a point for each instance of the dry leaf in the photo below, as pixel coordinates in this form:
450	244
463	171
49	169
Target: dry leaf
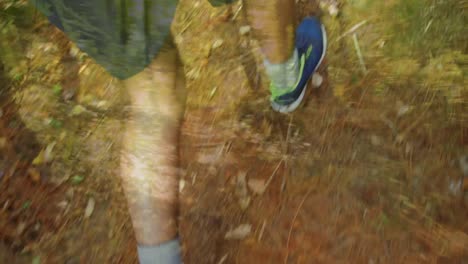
257	185
244	30
240	232
39	159
77	110
20	229
181	185
89	208
217	43
48	155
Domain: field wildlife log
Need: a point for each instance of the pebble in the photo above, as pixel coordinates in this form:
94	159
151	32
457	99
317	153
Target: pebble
317	80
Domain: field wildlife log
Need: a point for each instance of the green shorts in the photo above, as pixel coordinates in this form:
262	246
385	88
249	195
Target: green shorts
123	36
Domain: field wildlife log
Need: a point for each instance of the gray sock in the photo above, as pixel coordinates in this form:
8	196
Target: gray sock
166	253
283	75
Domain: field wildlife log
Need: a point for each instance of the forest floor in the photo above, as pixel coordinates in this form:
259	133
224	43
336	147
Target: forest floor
373	168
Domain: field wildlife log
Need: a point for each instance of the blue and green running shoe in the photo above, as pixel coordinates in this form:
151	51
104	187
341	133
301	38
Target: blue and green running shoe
311	45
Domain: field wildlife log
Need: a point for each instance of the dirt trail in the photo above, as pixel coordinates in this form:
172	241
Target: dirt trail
365	172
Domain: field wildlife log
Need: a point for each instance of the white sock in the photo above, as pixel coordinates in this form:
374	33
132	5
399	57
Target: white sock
284	75
166	253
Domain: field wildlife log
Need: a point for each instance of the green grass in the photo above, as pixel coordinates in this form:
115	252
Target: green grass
426	28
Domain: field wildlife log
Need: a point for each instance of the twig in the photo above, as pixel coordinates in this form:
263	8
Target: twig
273	175
358	51
292	224
260	235
428	26
223	259
352	30
287	135
241	5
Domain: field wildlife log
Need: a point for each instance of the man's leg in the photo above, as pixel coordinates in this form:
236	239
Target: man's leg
291	54
273	25
150	156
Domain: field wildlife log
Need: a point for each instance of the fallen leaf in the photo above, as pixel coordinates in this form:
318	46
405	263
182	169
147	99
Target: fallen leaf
34	174
57	89
63	205
89	208
181	185
403	110
78	110
39	159
48	156
240	232
217	43
77	179
257	185
103	105
244	202
20	229
74	51
55	123
333	10
244	30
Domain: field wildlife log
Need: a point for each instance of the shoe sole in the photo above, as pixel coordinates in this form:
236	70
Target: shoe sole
294	105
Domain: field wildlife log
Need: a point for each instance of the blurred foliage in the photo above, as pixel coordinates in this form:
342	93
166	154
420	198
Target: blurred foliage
14	15
426	28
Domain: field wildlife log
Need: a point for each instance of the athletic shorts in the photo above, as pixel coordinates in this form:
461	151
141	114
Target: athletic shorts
123	36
